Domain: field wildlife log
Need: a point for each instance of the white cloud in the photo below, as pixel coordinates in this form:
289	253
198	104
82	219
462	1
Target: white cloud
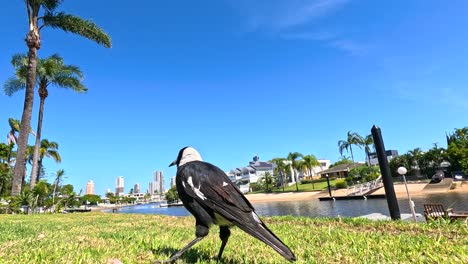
284	15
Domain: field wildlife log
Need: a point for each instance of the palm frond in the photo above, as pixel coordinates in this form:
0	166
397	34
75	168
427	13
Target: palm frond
13	85
77	25
51	5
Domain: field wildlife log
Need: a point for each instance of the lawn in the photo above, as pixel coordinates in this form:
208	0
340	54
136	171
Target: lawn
308	187
101	237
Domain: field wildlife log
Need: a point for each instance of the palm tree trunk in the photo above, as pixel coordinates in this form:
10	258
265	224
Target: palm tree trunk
33	43
39	169
34	170
352	156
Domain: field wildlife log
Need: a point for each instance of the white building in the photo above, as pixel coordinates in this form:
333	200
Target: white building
252	173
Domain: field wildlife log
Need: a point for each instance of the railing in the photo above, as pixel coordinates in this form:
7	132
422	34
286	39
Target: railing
360	189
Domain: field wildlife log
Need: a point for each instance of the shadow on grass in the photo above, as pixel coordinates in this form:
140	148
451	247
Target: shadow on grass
190	256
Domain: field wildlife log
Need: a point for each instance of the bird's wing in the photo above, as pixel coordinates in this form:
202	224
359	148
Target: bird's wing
210	186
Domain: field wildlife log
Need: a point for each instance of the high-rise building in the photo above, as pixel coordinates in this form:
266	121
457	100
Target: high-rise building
119	185
159	182
136	188
173	181
90	187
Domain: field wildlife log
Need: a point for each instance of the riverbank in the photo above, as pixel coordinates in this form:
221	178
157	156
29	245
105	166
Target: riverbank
127	238
415	189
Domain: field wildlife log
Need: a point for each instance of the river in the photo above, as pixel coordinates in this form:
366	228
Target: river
315	208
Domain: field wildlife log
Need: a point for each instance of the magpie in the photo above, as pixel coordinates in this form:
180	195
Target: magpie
210	196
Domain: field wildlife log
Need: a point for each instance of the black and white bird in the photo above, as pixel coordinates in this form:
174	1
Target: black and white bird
208	193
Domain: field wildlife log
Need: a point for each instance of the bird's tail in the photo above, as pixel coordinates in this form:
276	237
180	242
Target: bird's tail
260	231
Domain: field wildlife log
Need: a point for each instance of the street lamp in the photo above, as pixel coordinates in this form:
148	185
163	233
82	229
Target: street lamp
328	184
402	171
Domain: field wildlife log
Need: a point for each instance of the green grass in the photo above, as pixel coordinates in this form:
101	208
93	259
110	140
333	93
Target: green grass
100	237
308	187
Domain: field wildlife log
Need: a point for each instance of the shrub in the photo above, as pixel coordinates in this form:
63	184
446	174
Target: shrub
341	184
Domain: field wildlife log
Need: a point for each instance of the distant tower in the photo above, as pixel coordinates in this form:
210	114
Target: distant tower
90	187
173	181
136	188
158	182
119	185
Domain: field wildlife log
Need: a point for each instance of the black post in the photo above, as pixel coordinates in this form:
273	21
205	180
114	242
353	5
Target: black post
328	184
386	174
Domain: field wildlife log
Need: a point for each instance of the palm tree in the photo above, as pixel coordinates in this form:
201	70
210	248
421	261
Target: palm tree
48	149
352	139
12	139
59	175
281	168
295	165
38	20
309	162
268	180
50	71
366	143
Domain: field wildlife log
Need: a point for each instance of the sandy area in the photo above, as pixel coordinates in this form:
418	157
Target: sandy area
400	191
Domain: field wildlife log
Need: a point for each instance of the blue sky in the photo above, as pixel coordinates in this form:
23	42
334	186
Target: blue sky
235	78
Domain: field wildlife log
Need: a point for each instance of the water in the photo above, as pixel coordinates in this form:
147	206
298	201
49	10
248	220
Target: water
315	208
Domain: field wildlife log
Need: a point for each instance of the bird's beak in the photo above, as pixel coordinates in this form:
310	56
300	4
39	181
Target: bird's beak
173	163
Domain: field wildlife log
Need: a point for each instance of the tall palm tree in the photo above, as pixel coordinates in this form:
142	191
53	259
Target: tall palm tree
50	71
43	14
48	149
295	165
309	162
59	175
352	139
367	142
281	168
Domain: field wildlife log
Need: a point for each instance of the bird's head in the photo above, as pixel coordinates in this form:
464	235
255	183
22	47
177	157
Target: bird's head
186	155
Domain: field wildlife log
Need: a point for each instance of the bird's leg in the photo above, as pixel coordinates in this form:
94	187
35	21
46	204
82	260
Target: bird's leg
200	231
224	234
177	255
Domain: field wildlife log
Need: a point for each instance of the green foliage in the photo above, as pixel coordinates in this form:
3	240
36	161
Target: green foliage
341	184
267	182
363	173
343	160
457	151
92	199
59	238
172	195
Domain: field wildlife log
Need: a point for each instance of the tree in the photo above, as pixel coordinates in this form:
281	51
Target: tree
50	71
457	150
308	164
43	14
352	139
41	192
12	139
172	195
295	165
48	149
343	160
59	175
367	142
268	180
281	168
91	199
